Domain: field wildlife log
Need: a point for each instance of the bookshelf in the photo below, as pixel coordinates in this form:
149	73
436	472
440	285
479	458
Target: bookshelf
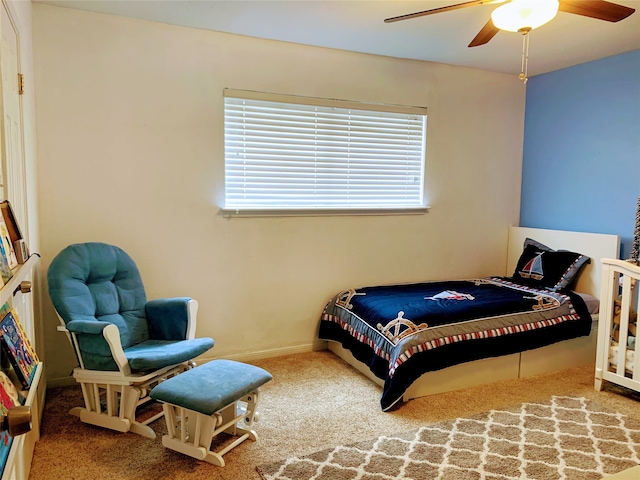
16	185
18	461
21	453
20	274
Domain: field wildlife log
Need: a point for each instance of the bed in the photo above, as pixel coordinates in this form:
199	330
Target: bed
404	339
618	352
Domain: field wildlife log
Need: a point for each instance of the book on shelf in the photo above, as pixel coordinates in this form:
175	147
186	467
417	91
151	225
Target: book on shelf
7	244
12	235
9	398
17	346
5	270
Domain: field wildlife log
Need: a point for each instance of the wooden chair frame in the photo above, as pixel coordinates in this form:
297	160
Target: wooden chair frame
111	398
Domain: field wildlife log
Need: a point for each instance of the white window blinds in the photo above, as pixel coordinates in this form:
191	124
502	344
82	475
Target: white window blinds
288	153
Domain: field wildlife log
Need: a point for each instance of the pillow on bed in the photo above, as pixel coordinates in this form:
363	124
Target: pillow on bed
542	267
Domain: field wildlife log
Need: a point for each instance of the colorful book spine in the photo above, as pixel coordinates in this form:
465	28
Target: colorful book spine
7	244
8	399
5	270
18	348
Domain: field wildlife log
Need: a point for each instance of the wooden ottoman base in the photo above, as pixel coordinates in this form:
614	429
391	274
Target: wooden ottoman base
218	397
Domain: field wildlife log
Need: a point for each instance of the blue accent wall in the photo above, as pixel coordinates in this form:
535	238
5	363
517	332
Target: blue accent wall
581	159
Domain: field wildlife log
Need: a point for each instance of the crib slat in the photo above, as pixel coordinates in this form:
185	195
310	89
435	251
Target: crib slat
624	325
635	303
608	286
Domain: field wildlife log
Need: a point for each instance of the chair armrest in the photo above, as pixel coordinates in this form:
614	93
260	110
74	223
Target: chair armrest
99	333
112	336
93	327
172	318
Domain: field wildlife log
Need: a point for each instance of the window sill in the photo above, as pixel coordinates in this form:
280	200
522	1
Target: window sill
312	212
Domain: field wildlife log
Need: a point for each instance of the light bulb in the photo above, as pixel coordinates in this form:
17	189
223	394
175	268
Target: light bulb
524	14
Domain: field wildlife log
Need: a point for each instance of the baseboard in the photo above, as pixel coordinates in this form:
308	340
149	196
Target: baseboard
276	352
61	382
240	357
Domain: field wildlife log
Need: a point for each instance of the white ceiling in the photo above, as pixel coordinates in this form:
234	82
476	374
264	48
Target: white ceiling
358	25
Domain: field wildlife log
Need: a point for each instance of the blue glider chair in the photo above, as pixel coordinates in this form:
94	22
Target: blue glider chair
125	344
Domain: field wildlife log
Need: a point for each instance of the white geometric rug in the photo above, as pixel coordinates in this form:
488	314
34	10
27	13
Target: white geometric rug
564	438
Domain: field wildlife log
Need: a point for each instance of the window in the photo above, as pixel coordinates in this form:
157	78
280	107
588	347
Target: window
290	154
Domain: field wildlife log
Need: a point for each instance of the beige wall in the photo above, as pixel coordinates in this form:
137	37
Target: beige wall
130	140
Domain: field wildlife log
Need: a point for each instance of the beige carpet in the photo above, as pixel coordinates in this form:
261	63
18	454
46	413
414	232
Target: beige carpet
315	402
560	438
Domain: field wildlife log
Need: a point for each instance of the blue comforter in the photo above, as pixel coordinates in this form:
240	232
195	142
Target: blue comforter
403	331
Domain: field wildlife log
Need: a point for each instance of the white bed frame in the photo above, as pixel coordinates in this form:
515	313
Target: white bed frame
565	354
616	273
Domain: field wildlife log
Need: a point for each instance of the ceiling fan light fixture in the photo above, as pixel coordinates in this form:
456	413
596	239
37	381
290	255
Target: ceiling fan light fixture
524	14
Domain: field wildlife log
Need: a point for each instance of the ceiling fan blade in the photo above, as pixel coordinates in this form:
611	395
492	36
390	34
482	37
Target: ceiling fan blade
611	12
438	10
487	33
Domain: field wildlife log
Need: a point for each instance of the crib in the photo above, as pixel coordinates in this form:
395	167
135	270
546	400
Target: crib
618	351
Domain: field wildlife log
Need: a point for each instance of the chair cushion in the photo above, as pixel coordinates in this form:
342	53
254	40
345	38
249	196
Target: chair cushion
154	354
211	386
97	281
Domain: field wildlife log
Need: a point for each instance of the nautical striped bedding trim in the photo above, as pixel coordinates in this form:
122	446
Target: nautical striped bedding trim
357	335
439	342
495	332
516	286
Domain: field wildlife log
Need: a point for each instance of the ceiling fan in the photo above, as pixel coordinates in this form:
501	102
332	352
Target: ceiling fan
525	15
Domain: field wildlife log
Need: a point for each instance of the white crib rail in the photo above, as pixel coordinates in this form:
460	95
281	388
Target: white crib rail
616	274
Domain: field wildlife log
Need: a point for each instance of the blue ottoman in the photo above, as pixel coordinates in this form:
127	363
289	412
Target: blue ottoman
218	396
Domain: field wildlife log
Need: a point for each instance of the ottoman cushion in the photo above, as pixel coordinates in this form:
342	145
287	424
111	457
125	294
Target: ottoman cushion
211	386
